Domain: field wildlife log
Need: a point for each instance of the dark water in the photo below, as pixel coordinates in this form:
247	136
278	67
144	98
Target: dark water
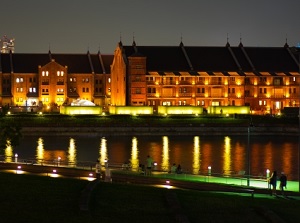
194	153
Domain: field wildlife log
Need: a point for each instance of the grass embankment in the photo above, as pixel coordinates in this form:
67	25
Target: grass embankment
51	120
28	198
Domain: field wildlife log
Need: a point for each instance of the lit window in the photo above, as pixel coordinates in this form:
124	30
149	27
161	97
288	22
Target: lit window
58	73
47	73
109	80
43	73
61	73
17	80
260	102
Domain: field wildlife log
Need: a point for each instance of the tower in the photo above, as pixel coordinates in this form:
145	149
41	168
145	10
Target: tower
7	44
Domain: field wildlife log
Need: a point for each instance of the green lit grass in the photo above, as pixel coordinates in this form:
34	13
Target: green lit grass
55	120
28	198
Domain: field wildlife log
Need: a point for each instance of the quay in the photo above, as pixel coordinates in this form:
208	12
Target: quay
206	182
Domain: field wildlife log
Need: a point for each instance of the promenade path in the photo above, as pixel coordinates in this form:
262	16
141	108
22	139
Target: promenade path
213	182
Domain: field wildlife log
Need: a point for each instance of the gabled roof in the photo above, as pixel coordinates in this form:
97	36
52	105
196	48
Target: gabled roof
215	59
76	63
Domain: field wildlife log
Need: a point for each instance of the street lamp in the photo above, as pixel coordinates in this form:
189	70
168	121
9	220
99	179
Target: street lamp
296	50
248	152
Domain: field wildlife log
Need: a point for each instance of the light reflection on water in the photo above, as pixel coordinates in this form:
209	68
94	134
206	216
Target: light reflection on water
225	154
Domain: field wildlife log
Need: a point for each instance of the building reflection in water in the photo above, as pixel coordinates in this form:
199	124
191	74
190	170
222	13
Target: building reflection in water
134	155
103	151
40	153
227	156
8	152
196	155
72	153
165	154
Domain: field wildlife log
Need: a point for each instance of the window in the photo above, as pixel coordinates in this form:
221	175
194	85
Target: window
19	89
262	79
72	79
109	80
85	80
138	91
32	89
19	79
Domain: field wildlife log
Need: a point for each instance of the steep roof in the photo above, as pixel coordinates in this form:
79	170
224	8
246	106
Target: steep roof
76	63
216	59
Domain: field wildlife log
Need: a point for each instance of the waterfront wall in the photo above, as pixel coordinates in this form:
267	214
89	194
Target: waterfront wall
184	130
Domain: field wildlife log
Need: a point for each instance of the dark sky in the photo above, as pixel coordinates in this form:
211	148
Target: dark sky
75	26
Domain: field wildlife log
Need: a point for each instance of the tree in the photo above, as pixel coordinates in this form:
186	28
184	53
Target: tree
9	135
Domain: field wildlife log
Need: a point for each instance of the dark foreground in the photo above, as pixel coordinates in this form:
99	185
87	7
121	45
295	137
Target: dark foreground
31	198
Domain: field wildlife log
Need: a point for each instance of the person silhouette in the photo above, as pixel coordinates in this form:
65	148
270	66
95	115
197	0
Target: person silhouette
273	182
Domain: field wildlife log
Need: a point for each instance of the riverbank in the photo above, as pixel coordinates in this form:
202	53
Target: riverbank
64	125
159	131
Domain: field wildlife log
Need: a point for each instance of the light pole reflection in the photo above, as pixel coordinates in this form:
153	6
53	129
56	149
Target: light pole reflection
134	155
103	152
165	154
197	155
40	152
72	154
227	155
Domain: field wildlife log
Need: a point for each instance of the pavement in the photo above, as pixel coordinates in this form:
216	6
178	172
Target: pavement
238	185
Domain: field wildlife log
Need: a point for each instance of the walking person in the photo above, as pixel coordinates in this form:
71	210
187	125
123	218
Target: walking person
98	169
283	182
273	182
149	162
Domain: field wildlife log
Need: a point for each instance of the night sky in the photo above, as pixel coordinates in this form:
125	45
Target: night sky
75	26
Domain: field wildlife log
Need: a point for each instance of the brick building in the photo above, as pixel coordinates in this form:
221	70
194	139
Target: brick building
264	78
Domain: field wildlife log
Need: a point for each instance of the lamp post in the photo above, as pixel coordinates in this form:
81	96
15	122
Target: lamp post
296	50
248	153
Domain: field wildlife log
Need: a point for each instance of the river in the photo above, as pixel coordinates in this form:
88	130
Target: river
224	154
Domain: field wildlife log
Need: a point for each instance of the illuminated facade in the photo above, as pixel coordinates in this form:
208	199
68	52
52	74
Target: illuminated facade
54	79
264	78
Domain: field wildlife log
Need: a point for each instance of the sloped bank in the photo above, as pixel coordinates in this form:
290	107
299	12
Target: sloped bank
162	130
